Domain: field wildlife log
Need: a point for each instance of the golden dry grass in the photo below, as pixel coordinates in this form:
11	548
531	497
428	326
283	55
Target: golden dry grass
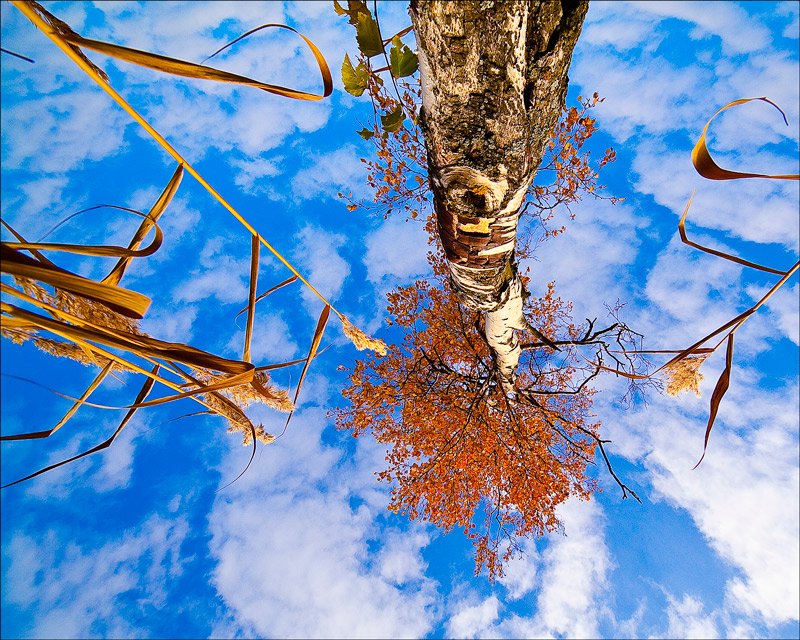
85	318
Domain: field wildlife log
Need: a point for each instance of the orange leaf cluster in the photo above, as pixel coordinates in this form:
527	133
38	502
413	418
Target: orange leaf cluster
399	176
567	173
461	453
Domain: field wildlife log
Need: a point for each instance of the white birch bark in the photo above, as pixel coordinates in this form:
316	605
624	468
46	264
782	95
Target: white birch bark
494	78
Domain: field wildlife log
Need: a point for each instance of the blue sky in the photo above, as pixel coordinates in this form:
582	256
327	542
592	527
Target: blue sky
136	542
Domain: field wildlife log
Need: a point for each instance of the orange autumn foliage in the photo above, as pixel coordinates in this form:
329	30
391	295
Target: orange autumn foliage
461	454
398	176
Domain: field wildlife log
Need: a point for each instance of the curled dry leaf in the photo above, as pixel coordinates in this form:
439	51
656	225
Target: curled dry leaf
705	164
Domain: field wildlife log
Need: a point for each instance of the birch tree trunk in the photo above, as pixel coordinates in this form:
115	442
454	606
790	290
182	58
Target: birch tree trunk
494	81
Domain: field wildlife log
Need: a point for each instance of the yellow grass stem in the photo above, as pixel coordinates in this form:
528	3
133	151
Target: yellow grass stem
86	67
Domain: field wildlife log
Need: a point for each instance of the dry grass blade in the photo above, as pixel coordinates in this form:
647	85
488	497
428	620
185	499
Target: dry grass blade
281	365
128	303
735	323
705	164
92	72
64	30
115	275
86	210
101	250
268	397
694	348
251	303
44	434
143	393
226	383
92	353
266	293
186	69
36	254
323	320
247	466
201	390
327	79
722	386
140	345
714	252
17	55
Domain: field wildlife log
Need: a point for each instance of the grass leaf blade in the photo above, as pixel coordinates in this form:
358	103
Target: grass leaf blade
44	434
323	320
704	163
251	304
722	386
143	393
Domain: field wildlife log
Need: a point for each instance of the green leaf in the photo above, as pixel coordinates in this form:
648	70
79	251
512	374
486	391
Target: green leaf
404	62
394	120
366	133
354	79
368	36
354	7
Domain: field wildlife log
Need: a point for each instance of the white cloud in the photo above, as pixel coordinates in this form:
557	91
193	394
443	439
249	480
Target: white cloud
574	576
61	132
792	30
687	620
37	205
681	281
474	621
226	285
743	497
754	210
400	561
396	250
71	590
195	116
649	97
200	116
272	338
520	577
330	173
316	564
590	261
319	261
171	325
220	275
619	25
784	307
252	174
104	471
739	33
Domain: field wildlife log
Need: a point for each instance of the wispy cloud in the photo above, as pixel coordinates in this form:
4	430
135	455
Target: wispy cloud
396	250
310	550
319	258
330	173
73	590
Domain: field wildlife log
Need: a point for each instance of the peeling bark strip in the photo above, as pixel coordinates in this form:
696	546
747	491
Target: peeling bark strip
494	80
